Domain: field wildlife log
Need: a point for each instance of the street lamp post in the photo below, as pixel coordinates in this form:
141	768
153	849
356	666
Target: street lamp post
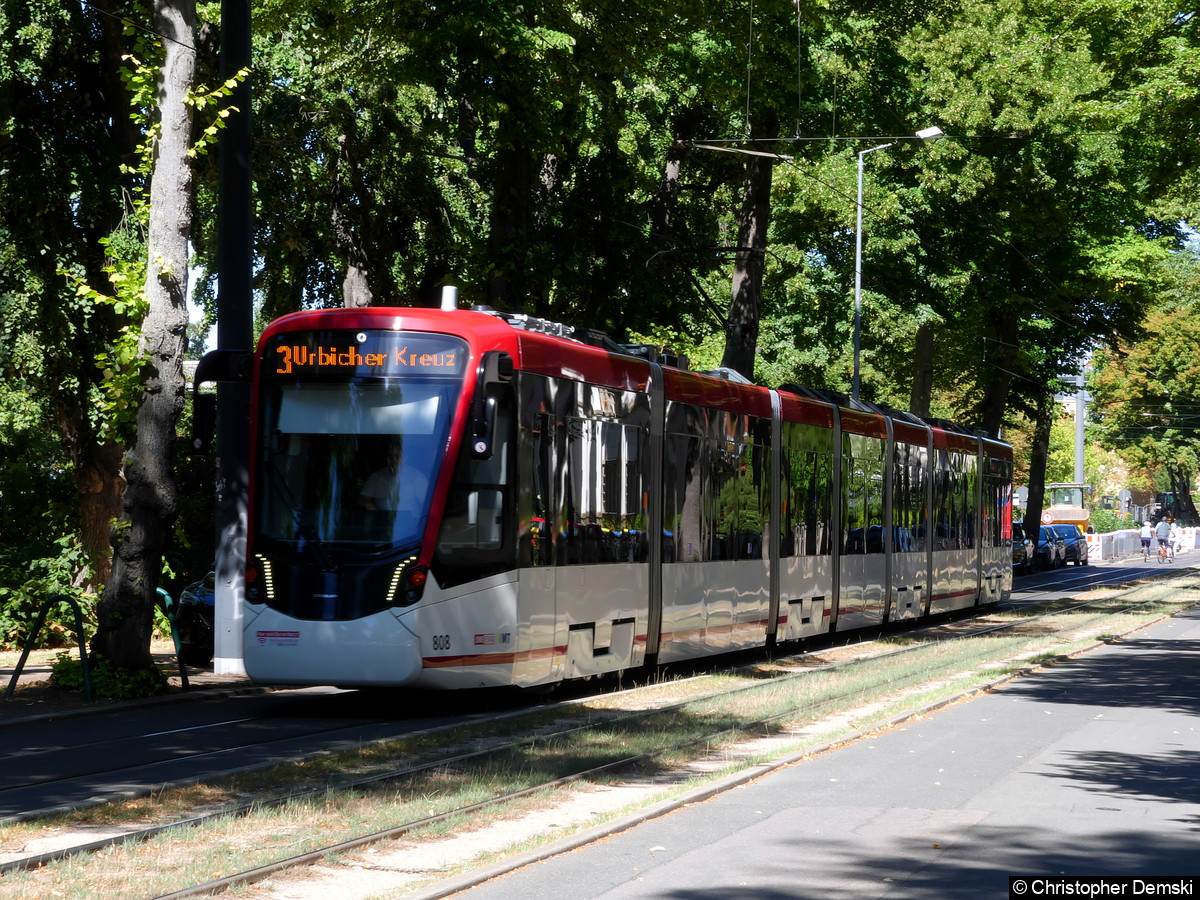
925	134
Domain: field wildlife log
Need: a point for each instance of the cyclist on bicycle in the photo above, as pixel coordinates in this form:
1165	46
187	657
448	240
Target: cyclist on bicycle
1147	533
1163	532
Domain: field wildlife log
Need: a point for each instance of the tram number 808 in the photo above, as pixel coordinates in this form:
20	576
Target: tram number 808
441	642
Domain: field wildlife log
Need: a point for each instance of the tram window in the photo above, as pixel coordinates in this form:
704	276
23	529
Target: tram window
945	516
535	462
873	504
411	408
474	519
723	501
819	508
735	512
600	453
322	444
910	483
683	482
969	501
862	491
806	484
853	538
994	503
681	508
955	501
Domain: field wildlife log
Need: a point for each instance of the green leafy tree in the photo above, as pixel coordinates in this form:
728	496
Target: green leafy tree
66	142
1148	397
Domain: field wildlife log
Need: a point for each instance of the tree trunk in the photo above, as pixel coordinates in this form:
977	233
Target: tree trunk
666	199
1001	355
356	287
922	389
126	609
1039	452
508	234
100	485
1185	507
741	343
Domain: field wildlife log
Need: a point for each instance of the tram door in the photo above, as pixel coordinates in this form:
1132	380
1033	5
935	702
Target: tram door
584	582
602	582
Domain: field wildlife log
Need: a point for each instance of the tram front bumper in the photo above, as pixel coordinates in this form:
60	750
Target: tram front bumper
375	650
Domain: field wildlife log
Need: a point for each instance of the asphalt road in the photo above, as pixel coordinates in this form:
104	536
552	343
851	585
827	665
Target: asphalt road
1091	767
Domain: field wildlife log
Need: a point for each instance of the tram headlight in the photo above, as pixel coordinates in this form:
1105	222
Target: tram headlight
408	584
259	580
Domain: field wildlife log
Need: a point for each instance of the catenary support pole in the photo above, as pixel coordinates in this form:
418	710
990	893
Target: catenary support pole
235	254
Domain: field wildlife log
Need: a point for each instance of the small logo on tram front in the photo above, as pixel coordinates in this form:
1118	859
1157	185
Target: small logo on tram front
278	638
487	640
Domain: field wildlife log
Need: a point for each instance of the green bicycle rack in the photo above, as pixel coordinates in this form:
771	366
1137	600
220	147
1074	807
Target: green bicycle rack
165	603
169	608
37	626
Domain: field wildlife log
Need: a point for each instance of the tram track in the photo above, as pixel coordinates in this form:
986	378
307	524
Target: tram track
159	759
618	722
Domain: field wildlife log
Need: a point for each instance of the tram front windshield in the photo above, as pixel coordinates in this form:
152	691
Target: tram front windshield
349	463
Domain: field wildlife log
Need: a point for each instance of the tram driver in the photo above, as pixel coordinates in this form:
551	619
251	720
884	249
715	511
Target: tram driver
396	485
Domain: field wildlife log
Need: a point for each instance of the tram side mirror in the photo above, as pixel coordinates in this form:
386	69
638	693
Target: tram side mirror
495	371
216	365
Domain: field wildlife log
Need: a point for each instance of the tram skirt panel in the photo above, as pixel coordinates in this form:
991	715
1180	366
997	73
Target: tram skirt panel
805	596
910	585
605	608
861	591
954	580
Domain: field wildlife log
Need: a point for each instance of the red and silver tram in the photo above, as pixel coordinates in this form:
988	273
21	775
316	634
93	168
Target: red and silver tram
456	499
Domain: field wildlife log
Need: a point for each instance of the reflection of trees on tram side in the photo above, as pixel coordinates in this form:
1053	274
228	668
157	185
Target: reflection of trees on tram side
862	493
910	485
955	502
716	479
737	510
807	491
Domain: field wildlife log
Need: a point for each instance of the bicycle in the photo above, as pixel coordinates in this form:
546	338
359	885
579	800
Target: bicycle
1163	555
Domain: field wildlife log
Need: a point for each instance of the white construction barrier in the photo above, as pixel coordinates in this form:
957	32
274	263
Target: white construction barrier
1128	542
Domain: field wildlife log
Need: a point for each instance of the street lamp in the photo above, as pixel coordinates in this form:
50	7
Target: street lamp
925	134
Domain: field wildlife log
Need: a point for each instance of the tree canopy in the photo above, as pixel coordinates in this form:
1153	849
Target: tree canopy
681	172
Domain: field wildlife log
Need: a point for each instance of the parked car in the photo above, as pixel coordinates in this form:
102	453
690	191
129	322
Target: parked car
1022	551
1075	542
1050	552
195	621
